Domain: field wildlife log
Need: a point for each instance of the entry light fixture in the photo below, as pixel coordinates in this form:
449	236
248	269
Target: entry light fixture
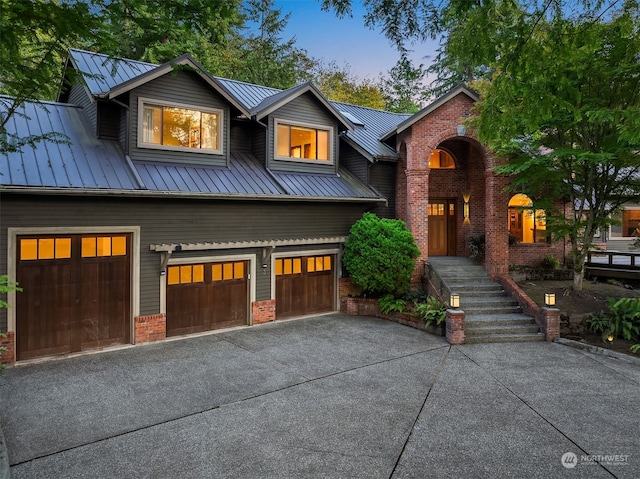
461	130
454	300
549	299
465	208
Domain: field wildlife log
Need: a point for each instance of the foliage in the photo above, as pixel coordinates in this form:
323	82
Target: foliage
476	247
433	311
403	89
621	320
6	286
389	304
379	255
550	262
339	84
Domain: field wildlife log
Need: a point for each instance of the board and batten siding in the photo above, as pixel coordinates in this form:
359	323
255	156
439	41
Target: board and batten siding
302	110
182	221
185	88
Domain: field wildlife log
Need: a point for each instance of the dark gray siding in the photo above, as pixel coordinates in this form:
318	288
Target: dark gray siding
303	110
182	221
108	120
383	178
186	88
354	162
78	96
259	143
241	135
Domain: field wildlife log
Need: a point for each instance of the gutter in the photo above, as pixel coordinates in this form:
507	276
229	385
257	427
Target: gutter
56	191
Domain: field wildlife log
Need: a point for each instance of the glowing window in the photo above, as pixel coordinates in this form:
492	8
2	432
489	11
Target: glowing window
45	248
440	159
288	266
185	274
180	127
526	224
103	246
303	143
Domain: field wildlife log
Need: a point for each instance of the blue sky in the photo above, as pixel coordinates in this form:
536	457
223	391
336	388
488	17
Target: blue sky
347	40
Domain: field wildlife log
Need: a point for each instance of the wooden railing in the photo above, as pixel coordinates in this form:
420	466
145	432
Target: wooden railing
613	264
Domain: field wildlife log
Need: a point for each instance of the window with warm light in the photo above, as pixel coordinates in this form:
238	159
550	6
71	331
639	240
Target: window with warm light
440	159
302	143
173	126
526	223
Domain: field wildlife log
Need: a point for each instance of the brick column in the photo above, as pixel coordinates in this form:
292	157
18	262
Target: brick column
150	328
496	221
455	326
417	217
8	356
263	311
550	323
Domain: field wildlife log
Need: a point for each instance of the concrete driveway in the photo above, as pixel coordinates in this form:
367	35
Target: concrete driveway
332	396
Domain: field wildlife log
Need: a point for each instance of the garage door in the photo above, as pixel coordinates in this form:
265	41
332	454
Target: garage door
76	293
305	285
206	296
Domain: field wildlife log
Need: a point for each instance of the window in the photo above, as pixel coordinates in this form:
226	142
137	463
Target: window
187	274
45	248
526	223
303	142
440	159
173	126
93	246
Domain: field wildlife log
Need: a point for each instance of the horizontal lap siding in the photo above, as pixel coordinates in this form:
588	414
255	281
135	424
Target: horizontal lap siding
182	221
383	179
184	88
80	97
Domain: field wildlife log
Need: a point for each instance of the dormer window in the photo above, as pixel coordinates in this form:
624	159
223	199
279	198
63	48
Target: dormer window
303	142
174	126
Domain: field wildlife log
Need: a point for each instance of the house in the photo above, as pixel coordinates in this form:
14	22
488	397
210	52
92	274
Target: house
180	202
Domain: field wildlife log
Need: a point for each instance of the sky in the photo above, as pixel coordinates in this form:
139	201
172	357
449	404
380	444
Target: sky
347	40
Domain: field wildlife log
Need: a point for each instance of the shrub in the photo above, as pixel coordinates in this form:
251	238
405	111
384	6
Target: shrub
550	262
5	287
476	247
379	255
433	311
621	320
389	304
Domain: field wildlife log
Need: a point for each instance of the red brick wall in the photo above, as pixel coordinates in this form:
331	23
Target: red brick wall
150	328
8	356
263	311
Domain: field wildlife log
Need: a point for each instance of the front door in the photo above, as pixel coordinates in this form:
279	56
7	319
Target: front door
442	227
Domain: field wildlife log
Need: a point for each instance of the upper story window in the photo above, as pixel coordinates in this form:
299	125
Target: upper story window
441	159
303	143
173	126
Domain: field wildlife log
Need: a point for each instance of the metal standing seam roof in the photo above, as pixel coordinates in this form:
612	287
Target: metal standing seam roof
77	160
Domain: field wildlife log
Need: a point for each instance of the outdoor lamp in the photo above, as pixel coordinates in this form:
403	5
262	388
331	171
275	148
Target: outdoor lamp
465	208
461	130
550	299
454	300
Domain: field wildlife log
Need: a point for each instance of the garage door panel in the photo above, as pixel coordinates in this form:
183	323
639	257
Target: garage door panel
69	302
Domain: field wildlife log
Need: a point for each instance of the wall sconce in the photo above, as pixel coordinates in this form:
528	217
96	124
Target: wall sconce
454	300
461	130
465	208
549	299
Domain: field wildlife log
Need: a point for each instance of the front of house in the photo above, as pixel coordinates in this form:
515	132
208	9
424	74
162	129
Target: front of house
180	203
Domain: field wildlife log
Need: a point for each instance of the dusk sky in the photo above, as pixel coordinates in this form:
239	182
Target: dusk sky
347	40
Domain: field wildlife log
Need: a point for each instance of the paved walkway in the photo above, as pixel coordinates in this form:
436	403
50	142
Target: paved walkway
334	397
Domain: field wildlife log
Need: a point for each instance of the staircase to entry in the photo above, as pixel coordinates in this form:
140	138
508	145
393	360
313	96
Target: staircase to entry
491	315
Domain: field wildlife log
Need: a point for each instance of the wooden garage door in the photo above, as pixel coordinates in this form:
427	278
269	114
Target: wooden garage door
206	296
76	293
304	285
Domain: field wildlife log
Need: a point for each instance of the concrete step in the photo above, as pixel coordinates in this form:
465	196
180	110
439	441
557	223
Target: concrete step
470	302
493	310
471	329
503	338
499	320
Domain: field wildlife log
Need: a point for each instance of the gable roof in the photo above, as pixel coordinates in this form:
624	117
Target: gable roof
103	75
458	90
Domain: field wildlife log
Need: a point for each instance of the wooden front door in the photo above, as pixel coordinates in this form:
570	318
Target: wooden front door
442	227
305	285
76	293
207	296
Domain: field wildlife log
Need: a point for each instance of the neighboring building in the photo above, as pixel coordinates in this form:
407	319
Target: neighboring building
183	203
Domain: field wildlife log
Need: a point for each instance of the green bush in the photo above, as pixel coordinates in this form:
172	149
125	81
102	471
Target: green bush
379	255
389	304
432	311
6	286
621	320
550	262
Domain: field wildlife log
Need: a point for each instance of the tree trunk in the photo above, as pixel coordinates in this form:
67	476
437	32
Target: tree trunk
578	270
577	280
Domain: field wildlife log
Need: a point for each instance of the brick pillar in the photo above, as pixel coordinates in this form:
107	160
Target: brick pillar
150	328
496	225
263	311
9	343
455	326
550	322
417	218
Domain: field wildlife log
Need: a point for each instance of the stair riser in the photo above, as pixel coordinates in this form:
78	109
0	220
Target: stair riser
493	311
506	339
501	330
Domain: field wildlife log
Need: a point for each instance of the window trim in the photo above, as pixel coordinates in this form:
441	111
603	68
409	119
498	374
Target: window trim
142	101
290	123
